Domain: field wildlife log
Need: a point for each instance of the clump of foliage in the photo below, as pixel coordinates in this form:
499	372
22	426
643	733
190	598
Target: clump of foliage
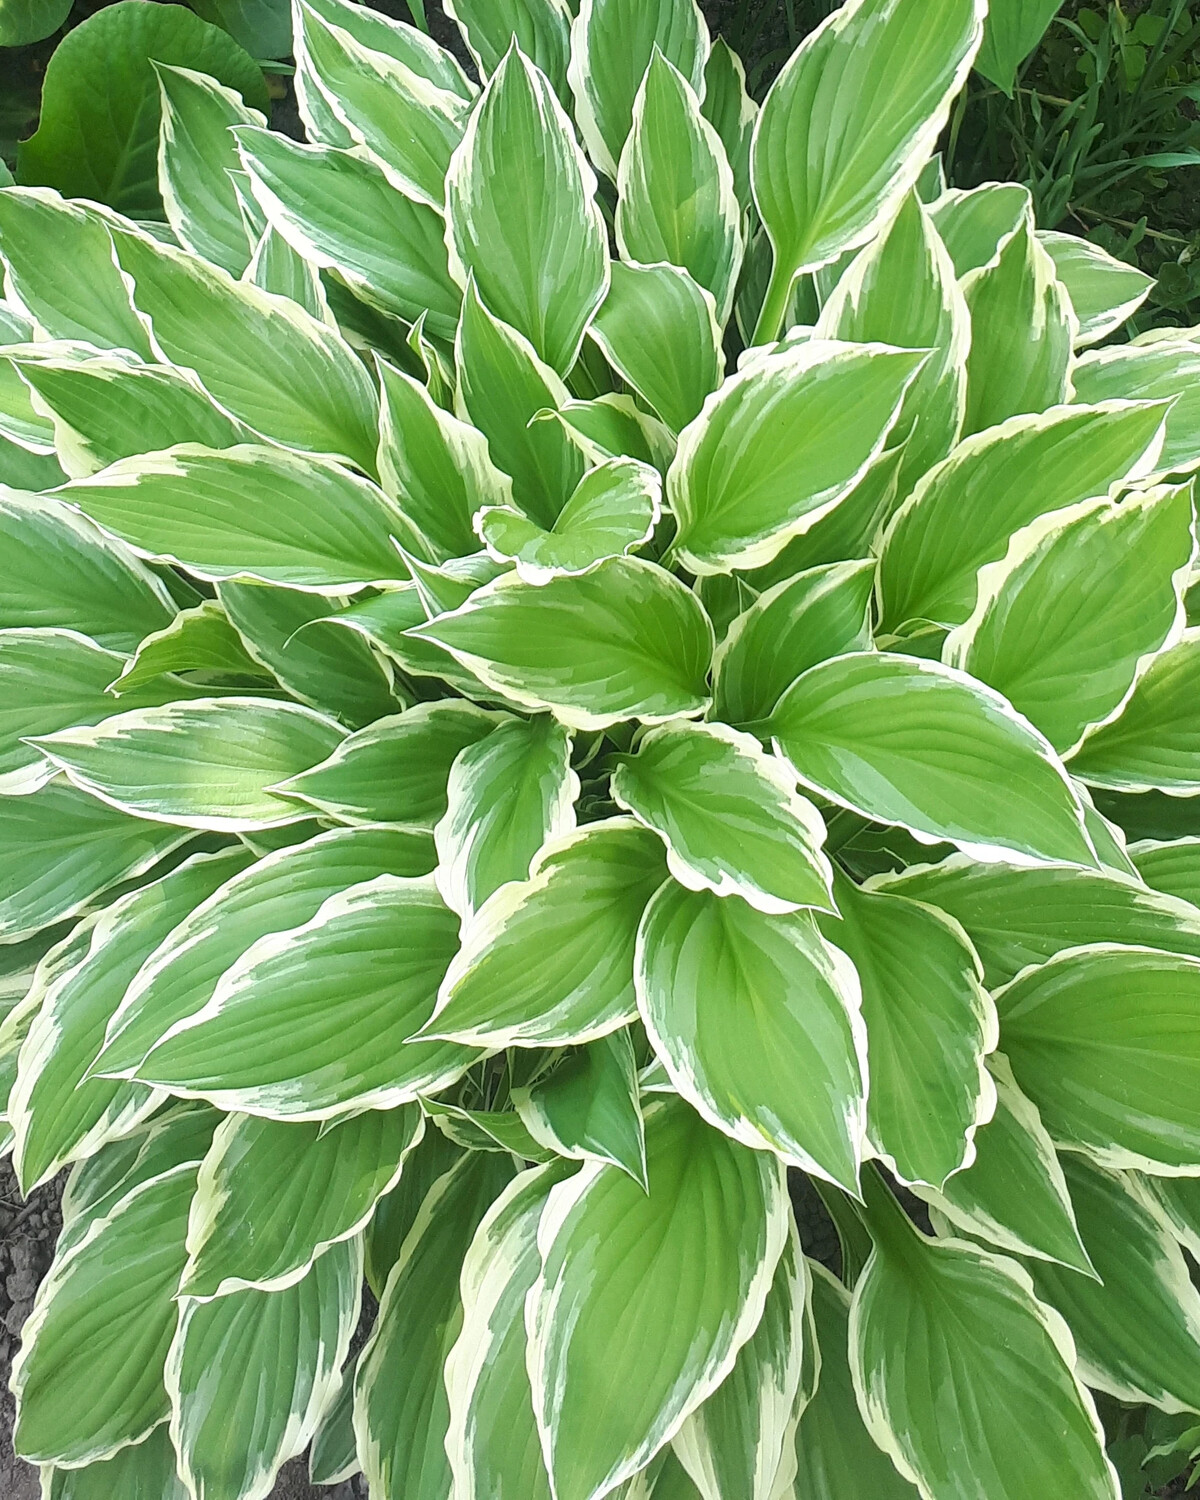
541	692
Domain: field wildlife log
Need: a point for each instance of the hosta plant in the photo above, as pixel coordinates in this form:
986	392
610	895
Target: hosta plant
577	655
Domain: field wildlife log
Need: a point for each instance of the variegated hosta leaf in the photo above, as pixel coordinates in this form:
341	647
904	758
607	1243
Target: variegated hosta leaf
311	1022
588	1107
929	1024
733	1446
1150	372
1106	1042
738	1005
963	512
625	640
730	816
1022	331
276	267
613	510
612	45
58	571
200	639
1017	916
778	446
827	164
1104	291
659	329
204	764
282	891
1153	742
401	1412
195	154
396	770
333	1457
339	211
272	1197
963	1378
790	627
62	847
731	112
56	1114
974	222
396	1212
912	742
88	1377
142	1471
677	201
506	795
1137	1324
522	220
1116	575
1014	1194
1172	867
705	1242
542	29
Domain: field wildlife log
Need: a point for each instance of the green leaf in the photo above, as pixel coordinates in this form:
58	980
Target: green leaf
1013	1193
964	511
704	1243
1104	1040
62	273
1173	867
731	112
826	166
738	1005
588	1108
964	1379
541	28
56	1115
502	387
88	1377
436	468
929	1024
408	124
613	510
285	631
337	998
285	1346
492	1439
626	640
1022	332
779	445
434	1154
921	745
203	764
63	848
195	154
612	45
614	426
249	512
333	1458
282	891
837	1458
1151	372
97	136
272	1197
550	961
820	613
1154	742
974	222
506	795
1105	584
263	27
1013	29
734	1444
1104	291
1018	916
730	816
276	267
26	21
901	290
401	1413
1137	1326
396	770
658	329
263	358
143	1471
522	220
677	201
410	45
340	211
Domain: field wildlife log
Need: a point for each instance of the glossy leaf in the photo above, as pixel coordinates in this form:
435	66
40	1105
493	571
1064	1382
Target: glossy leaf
973	222
1171	866
1104	291
1152	372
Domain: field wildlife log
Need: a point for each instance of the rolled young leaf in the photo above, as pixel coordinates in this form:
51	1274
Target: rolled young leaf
706	1241
738	1005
